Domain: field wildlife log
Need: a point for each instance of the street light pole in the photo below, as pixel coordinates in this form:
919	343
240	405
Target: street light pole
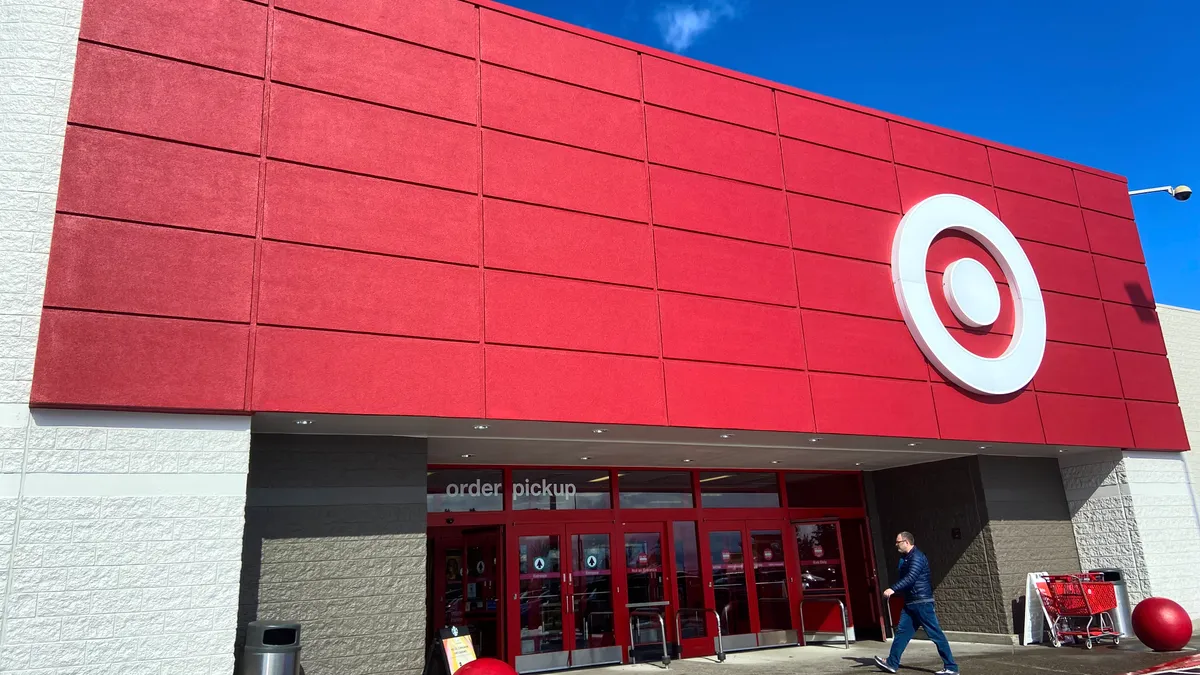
1179	192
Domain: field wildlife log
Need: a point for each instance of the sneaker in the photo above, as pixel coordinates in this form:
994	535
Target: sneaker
883	665
946	671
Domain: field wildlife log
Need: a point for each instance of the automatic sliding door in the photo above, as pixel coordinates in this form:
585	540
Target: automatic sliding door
730	590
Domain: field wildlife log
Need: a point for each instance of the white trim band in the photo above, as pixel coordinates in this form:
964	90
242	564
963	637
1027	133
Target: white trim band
134	484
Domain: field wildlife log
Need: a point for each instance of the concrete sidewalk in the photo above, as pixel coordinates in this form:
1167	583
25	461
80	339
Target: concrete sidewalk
921	657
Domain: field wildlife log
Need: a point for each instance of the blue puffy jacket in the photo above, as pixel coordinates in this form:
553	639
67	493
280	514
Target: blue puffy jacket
914	581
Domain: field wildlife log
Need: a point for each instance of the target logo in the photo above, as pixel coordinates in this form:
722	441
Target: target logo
972	294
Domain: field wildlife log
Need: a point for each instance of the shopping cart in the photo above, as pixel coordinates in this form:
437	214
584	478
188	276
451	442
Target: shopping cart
1069	599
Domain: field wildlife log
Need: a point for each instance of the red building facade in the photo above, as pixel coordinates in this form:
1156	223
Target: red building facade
448	209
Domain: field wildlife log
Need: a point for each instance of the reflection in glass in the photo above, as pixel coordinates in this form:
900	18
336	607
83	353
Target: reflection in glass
729	581
483	592
644	580
817	490
820	557
550	490
770	580
460	490
656	490
454	587
688	580
540	595
591	591
738	490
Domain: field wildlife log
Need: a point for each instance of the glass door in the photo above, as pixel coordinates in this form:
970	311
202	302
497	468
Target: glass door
539	609
771	582
732	587
592	600
646	590
483	574
698	628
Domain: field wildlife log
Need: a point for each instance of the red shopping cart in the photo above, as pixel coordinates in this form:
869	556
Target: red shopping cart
1070	599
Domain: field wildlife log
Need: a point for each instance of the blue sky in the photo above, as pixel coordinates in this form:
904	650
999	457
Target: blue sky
1107	83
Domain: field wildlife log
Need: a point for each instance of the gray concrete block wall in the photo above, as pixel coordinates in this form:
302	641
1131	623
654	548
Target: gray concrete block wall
1029	521
335	539
931	501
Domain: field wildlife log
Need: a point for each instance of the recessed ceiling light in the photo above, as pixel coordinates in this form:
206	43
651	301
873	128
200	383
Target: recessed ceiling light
858	464
774	461
687	460
599	431
304	423
585	458
726	435
983	447
813	440
481	427
467	456
913	445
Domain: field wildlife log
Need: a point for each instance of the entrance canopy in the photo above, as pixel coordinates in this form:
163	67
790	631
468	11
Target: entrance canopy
474	441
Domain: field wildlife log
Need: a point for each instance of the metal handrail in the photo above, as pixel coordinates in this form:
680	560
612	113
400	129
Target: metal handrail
845	624
587	622
666	659
702	610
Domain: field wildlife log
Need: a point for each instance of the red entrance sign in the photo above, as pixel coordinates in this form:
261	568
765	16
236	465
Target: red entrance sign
642	559
768	554
818	551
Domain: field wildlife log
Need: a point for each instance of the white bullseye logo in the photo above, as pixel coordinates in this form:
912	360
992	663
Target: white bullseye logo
972	294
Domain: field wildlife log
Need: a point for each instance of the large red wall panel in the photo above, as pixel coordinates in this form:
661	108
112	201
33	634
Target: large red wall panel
457	209
340	210
115	266
91	359
540	240
319	55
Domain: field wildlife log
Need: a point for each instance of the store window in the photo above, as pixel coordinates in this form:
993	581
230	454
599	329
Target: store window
821	565
656	490
814	490
738	490
463	490
551	490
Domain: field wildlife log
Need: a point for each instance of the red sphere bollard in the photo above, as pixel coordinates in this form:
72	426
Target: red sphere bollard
1162	624
486	667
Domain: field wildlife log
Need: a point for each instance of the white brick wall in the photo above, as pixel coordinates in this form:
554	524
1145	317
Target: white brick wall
120	533
1136	511
1140	510
1101	507
109	563
1181	332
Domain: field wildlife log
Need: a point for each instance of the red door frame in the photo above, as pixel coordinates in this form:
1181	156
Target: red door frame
617	521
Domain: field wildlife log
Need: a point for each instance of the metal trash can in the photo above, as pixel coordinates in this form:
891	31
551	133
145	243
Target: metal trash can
1123	615
272	648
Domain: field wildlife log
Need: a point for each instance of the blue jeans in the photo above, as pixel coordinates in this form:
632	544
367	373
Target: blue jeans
912	618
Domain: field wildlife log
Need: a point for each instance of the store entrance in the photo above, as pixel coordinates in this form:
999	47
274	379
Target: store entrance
563	597
569	568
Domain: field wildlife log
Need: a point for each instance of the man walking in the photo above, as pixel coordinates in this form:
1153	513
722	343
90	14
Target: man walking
918	608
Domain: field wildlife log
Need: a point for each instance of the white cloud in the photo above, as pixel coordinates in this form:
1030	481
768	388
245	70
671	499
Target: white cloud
681	24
